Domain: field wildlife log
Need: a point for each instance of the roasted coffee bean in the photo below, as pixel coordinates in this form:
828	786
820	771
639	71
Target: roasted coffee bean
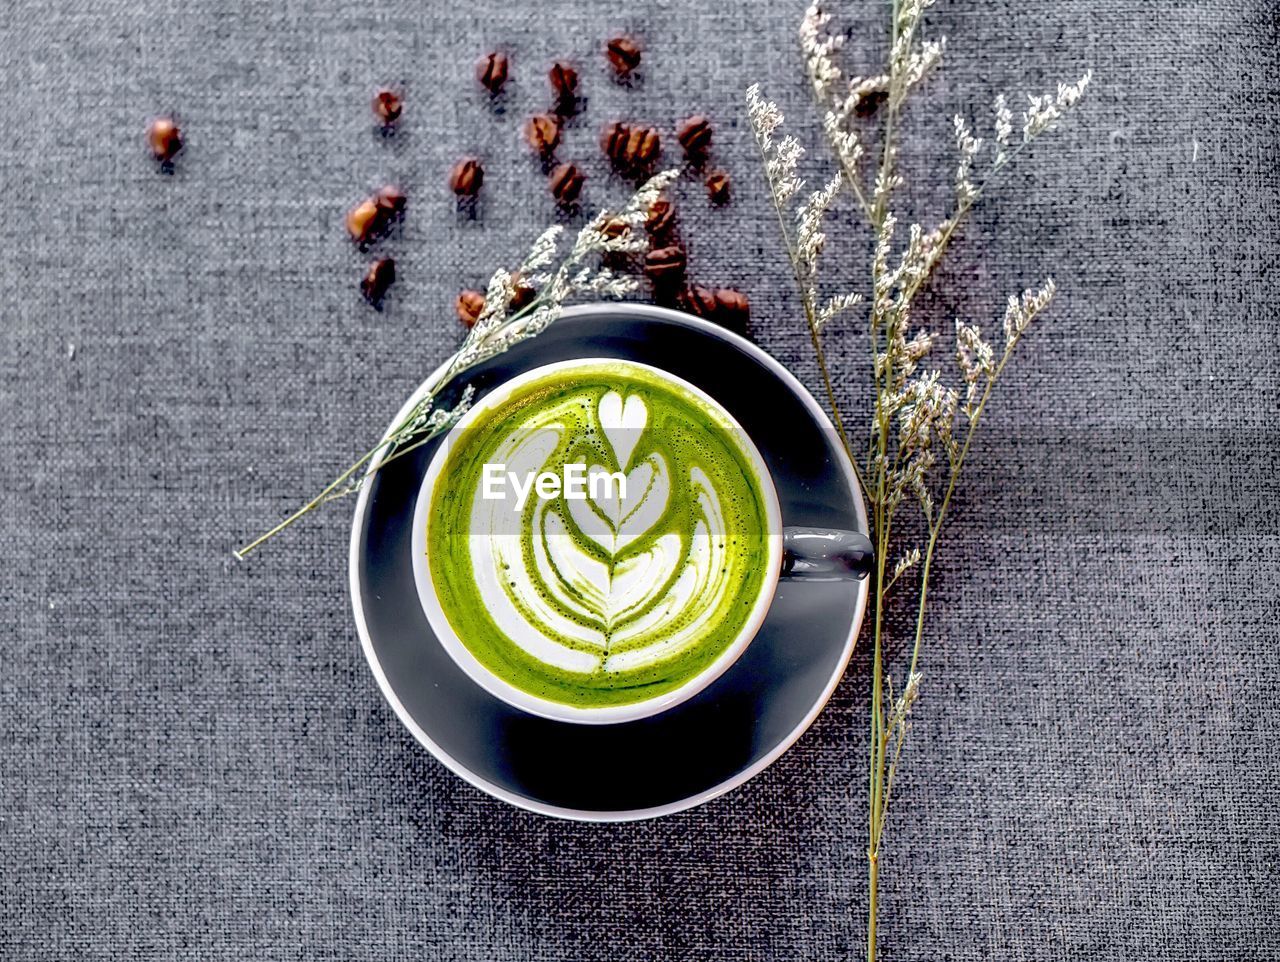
613	141
733	310
164	137
661	220
643	147
869	102
391	203
491	71
564	87
665	266
542	132
523	296
387	106
718	187
469	306
364	221
374	216
377	279
566	184
695	137
623	54
698	300
467	177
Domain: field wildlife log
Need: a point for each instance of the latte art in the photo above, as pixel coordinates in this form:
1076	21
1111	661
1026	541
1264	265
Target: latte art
624	586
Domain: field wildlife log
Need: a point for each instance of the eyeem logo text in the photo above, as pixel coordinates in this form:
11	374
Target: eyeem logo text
576	484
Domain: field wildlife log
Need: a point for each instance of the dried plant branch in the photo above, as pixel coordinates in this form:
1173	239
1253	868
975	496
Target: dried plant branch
498	328
923	421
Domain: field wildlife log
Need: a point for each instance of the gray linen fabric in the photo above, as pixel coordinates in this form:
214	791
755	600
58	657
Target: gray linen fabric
194	759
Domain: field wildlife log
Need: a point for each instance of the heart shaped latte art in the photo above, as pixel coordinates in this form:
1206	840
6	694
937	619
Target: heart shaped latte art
623	423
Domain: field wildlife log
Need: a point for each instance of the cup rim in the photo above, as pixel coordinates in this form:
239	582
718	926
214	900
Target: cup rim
558	711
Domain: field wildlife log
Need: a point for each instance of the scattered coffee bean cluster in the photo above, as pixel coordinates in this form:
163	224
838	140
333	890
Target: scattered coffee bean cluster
632	149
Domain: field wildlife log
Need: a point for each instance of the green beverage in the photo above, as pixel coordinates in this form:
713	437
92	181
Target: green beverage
600	535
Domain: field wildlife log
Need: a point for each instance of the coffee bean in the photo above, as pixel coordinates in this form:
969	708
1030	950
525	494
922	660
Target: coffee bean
542	132
469	306
665	267
613	141
364	221
566	184
725	306
524	294
374	216
698	300
718	187
491	71
661	220
564	87
466	177
869	102
623	54
164	137
391	203
694	135
643	147
733	310
387	106
377	279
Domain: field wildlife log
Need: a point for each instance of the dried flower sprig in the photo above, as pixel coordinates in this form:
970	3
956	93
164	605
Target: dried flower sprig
499	328
922	424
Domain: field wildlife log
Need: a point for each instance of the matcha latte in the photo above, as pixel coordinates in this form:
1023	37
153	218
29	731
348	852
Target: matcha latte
597	534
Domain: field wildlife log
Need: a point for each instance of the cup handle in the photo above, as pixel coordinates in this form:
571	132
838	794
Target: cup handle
820	554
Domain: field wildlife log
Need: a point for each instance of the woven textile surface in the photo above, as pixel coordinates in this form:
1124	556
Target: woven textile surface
195	761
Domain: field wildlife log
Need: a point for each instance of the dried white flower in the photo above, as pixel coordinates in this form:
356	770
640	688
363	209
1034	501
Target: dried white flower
780	160
810	238
880	262
977	364
502	290
1022	311
442	419
817	45
783	169
905	563
900	707
1044	111
968	145
1004	130
836	306
919	346
764	115
921	64
542	252
846	143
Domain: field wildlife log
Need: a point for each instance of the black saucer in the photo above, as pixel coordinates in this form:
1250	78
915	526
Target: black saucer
719	738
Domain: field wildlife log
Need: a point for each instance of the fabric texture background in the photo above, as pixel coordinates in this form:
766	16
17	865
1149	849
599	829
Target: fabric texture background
195	761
